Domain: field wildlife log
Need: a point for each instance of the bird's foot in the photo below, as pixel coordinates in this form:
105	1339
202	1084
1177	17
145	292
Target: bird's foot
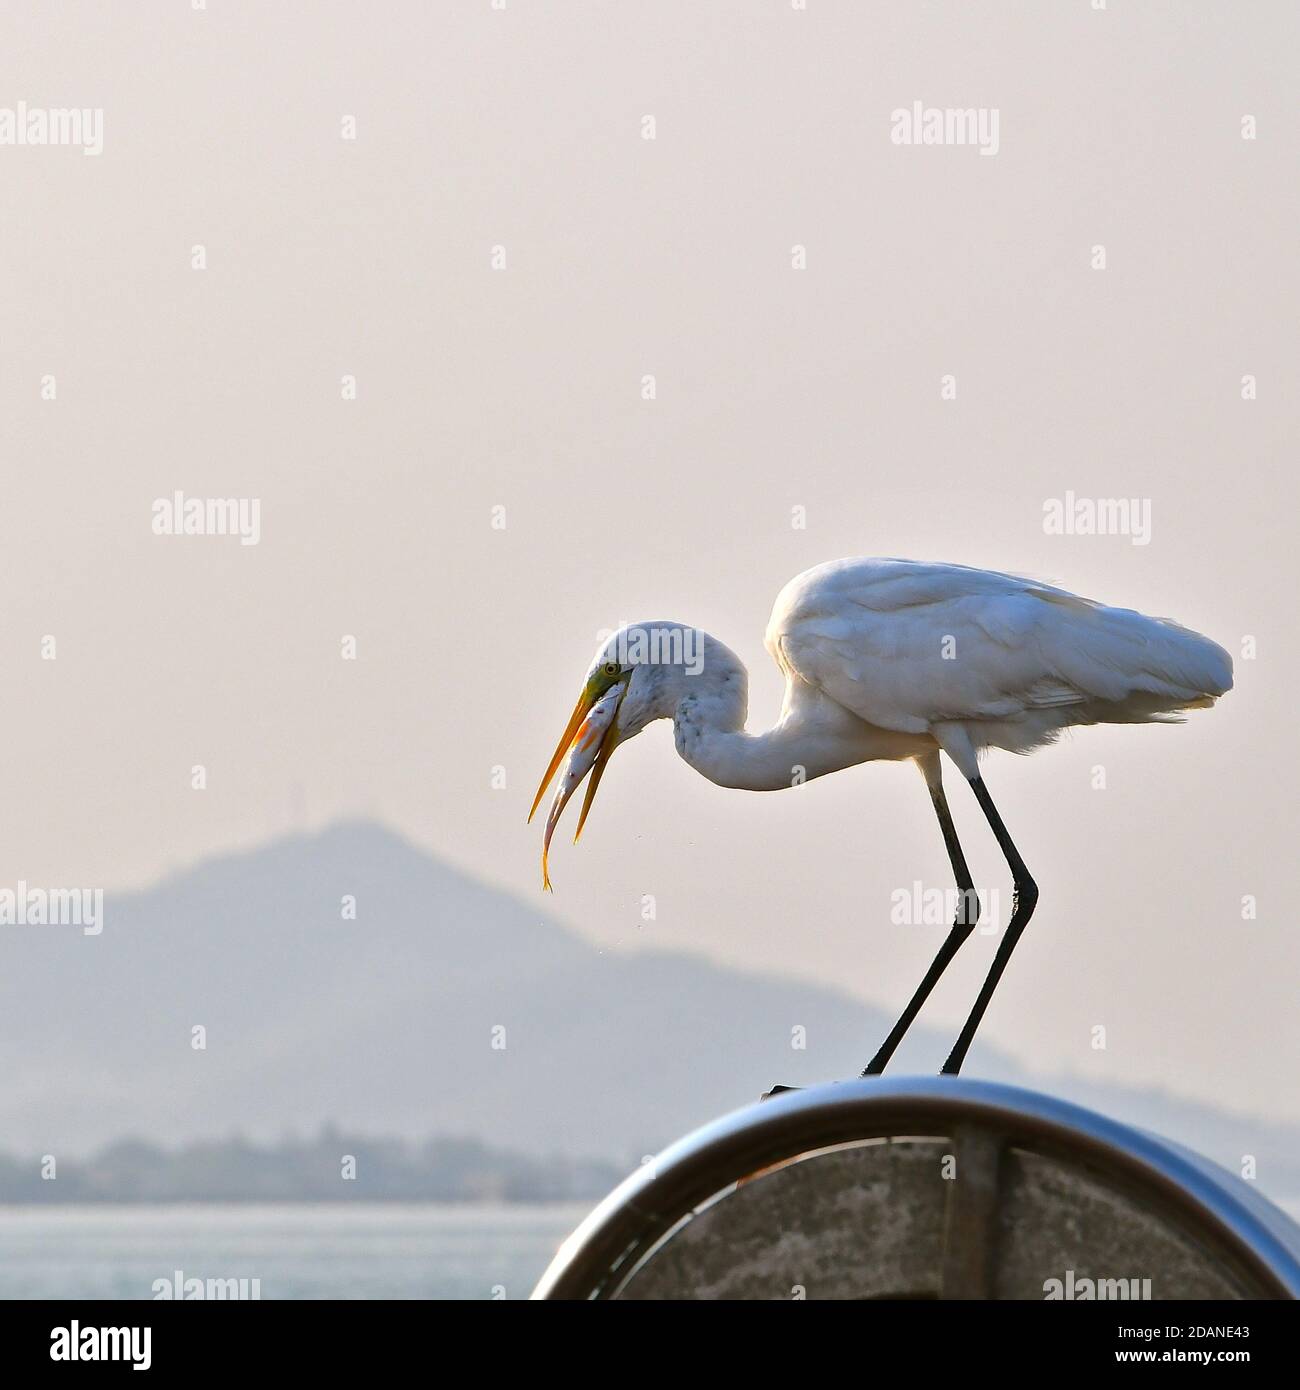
881	1060
778	1090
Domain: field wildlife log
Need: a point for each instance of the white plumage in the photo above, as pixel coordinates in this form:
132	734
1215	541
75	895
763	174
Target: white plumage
947	650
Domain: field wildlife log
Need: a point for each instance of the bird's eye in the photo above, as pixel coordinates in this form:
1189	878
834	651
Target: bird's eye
611	668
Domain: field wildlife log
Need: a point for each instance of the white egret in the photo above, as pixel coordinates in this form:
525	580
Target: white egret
894	659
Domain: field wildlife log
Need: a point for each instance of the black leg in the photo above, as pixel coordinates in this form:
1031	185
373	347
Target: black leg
967	916
1022	909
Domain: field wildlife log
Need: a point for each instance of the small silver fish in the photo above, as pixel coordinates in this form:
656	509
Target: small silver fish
582	754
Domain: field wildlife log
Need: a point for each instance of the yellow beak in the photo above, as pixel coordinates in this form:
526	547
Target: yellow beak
580	710
587	743
597	772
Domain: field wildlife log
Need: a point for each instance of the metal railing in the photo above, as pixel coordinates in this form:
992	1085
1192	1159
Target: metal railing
928	1188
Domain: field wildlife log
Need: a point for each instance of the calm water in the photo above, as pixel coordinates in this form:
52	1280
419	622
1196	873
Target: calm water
327	1251
297	1251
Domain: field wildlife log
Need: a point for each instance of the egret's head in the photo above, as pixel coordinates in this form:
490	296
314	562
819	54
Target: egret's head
638	675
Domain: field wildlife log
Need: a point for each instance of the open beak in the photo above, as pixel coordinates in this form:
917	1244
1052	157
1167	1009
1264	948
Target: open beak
603	755
585	702
585	746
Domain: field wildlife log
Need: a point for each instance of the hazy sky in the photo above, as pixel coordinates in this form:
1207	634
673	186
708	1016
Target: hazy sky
776	388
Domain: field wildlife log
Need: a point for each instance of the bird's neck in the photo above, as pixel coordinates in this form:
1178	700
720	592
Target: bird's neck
812	738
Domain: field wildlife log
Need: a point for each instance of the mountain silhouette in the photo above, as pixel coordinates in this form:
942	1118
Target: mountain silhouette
391	1023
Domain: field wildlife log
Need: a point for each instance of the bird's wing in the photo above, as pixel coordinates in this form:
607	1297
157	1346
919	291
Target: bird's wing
906	645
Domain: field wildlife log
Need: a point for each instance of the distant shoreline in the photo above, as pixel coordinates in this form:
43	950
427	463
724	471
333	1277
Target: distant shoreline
334	1168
